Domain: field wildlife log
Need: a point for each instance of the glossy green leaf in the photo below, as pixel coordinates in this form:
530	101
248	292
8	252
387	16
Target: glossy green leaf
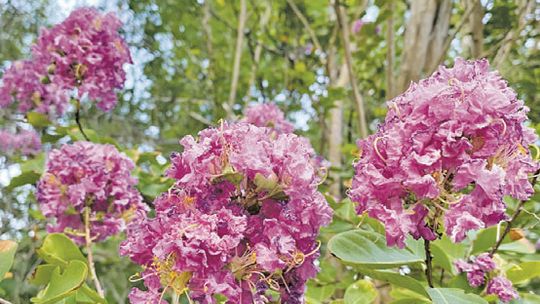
25	178
453	296
523	272
38	120
58	249
42	274
360	292
63	284
398	280
7	254
319	293
369	250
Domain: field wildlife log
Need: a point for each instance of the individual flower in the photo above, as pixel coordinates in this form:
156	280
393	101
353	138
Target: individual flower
476	269
85	52
452	146
357	25
502	288
26	142
268	115
241	219
87	175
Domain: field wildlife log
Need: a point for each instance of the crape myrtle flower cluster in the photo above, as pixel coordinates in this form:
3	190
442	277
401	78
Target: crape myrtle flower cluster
87	175
240	221
481	268
268	115
26	142
451	147
83	54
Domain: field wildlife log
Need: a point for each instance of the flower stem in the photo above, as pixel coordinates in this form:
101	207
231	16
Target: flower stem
513	218
89	252
175	298
78	119
429	265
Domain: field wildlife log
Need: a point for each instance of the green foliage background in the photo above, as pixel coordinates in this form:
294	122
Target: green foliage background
180	83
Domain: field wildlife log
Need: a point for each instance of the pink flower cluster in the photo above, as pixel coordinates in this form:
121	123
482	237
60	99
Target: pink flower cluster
268	115
451	146
87	175
241	219
84	53
478	268
26	142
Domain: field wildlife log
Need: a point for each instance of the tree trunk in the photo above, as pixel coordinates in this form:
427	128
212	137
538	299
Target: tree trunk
237	58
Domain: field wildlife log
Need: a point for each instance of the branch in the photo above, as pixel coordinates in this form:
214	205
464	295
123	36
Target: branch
513	35
308	28
256	56
429	265
78	119
359	102
2	301
89	252
390	53
513	218
237	58
451	37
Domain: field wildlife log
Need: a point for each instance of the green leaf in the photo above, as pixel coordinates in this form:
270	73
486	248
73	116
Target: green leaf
453	296
63	285
523	272
85	294
26	178
485	239
38	120
58	249
7	253
42	274
398	280
319	293
360	292
369	250
441	258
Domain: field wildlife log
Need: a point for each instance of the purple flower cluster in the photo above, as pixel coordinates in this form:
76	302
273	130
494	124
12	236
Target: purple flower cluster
241	219
478	269
84	53
268	115
451	146
87	175
26	142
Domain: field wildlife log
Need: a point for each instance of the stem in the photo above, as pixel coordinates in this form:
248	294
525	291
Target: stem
2	301
78	120
513	218
175	298
429	266
89	253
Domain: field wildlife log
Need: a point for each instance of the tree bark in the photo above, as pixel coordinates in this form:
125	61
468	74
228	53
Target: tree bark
237	58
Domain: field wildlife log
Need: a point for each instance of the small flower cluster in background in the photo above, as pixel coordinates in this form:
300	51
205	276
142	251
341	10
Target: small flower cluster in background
25	142
81	57
241	220
452	146
87	175
83	53
482	268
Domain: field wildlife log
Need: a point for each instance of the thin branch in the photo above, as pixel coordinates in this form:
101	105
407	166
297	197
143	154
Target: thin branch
359	102
513	35
256	56
308	28
429	264
89	252
390	53
513	218
237	58
452	36
2	301
78	120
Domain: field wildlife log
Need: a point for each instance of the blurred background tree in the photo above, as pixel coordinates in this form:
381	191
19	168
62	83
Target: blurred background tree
330	65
